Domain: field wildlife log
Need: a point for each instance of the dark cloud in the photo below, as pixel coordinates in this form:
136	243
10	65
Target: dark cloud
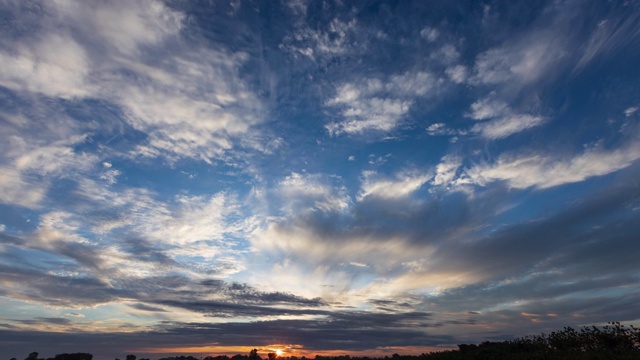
144	307
235	309
143	250
347	331
389	305
574	231
44	320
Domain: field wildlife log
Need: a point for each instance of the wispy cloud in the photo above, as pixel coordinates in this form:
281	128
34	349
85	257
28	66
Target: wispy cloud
506	126
540	171
401	186
503	121
335	39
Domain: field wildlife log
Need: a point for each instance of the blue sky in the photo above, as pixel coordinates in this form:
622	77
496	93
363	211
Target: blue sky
362	177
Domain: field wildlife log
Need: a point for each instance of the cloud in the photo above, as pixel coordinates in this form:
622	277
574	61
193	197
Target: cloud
446	170
540	171
458	73
110	176
402	186
507	126
192	108
312	192
504	121
143	307
314	335
336	38
188	99
76	315
14	189
568	248
47	320
609	36
34	161
520	63
438	129
374	105
430	34
488	108
42	67
448	55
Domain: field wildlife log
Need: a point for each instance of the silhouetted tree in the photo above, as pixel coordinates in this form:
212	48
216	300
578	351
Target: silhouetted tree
74	356
131	357
253	354
32	356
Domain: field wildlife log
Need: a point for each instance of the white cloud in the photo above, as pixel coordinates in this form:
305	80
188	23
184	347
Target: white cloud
438	129
36	158
199	115
630	111
335	39
520	63
504	121
139	23
110	176
55	159
410	84
189	99
374	105
430	34
377	161
458	73
403	185
447	54
446	170
301	193
506	126
54	65
522	171
14	189
370	114
488	108
338	266
196	218
195	231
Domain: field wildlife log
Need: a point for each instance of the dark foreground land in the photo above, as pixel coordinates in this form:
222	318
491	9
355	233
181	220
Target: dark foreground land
613	341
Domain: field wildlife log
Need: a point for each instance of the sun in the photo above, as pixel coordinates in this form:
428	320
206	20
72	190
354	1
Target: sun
278	352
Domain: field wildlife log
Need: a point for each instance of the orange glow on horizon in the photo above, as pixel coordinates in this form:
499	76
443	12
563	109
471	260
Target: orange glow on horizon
291	350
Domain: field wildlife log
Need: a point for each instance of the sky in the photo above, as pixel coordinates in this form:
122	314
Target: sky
320	177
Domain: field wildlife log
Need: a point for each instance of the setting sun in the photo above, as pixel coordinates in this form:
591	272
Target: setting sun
279	352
